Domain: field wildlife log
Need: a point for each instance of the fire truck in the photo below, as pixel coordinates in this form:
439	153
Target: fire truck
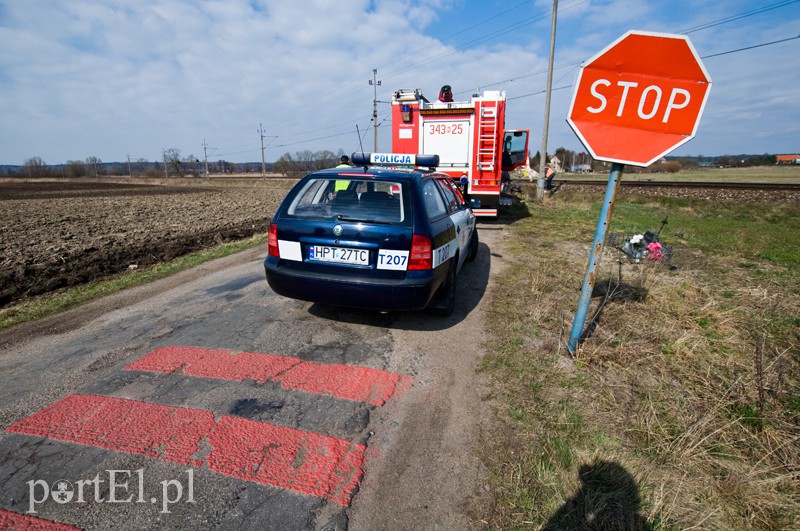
469	137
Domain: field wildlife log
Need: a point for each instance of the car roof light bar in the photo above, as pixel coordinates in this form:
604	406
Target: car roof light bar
394	159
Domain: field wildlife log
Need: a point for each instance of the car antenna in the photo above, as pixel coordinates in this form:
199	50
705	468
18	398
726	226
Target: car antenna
366	161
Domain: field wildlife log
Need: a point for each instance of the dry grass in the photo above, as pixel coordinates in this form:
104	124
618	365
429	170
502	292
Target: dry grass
682	405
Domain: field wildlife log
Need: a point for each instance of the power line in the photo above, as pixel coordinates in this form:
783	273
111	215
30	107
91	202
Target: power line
487	37
517	25
543	91
538	92
751	47
346	88
703	57
443	39
739	16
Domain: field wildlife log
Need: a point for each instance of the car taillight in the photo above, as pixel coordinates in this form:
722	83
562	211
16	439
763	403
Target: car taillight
272	242
421	253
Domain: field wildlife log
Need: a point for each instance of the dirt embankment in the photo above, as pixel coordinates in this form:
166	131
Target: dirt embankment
56	234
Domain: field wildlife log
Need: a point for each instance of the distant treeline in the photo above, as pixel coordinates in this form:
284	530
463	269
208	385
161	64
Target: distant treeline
578	161
173	165
302	162
36	168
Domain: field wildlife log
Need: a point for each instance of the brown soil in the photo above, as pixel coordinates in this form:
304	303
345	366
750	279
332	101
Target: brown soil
57	234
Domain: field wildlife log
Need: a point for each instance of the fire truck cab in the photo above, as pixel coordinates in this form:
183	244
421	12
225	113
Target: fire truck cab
469	137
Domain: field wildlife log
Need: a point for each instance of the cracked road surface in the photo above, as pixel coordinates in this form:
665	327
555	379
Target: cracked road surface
205	401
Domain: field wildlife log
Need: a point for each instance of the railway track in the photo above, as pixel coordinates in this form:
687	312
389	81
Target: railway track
683	184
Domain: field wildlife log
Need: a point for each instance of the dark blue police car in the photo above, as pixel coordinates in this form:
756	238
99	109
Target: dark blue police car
386	234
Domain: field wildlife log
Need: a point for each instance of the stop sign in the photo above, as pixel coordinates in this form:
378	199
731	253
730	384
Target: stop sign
639	98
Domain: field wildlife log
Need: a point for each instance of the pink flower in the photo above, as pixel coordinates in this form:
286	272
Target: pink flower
655	251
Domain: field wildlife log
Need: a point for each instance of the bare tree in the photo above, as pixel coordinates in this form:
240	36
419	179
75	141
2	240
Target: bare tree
172	161
94	163
35	168
285	165
140	165
76	168
305	160
324	159
191	164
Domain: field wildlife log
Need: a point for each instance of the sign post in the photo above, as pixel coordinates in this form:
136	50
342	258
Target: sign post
635	101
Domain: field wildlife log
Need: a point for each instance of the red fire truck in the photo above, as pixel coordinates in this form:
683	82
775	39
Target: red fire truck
469	137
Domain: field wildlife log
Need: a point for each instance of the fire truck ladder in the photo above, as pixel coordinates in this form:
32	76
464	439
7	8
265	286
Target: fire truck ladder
487	137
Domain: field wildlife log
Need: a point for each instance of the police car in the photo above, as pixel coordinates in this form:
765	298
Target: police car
390	233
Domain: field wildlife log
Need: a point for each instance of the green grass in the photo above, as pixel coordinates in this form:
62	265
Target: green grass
39	307
767	174
766	231
682	405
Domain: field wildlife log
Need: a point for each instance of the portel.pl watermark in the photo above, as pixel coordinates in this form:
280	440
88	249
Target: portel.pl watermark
121	486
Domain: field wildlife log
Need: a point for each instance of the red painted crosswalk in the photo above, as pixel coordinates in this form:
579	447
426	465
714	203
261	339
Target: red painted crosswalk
361	384
305	462
24	522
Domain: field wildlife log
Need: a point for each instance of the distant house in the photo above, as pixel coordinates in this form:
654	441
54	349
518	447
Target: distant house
581	168
788	159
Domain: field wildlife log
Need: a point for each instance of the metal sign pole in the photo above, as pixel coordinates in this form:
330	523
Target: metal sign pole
594	255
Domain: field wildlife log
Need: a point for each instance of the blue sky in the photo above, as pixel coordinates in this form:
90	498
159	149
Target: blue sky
112	78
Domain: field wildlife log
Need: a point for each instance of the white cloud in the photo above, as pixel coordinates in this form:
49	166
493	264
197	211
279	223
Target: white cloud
110	78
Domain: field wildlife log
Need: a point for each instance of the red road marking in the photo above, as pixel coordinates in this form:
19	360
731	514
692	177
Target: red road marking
214	363
342	381
290	459
21	522
304	462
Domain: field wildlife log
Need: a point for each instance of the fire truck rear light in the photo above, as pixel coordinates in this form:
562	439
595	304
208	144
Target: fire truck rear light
272	241
421	253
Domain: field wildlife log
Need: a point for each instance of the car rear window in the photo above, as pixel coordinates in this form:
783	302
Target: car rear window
350	199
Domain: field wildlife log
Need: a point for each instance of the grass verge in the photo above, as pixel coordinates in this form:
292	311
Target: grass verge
39	307
680	410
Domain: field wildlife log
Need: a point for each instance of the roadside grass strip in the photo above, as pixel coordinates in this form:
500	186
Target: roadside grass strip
360	384
286	458
12	520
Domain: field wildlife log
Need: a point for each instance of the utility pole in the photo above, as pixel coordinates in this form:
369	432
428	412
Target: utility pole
166	169
543	152
205	156
130	174
263	166
375	84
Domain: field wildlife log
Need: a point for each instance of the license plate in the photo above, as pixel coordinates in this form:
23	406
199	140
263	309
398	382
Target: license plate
338	255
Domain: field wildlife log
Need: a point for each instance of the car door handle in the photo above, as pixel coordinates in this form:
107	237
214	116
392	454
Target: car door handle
458	229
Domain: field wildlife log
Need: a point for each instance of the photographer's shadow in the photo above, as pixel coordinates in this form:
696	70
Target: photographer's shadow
607	500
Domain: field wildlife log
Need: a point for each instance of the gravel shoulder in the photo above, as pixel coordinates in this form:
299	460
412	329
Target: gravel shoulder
430	474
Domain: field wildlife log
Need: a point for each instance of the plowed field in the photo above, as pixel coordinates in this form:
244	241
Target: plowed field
56	234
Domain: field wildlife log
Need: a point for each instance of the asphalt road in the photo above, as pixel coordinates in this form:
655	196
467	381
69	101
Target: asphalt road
205	401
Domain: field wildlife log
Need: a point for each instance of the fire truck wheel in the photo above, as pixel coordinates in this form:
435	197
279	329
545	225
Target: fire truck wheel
473	246
446	300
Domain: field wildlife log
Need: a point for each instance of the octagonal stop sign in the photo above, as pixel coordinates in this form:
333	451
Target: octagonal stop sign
639	98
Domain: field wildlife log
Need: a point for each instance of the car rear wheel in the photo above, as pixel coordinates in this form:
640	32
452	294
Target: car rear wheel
446	300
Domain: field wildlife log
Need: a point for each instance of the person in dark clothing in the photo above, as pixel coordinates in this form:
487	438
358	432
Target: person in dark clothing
548	177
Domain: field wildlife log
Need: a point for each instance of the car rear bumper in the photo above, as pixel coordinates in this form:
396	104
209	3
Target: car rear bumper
409	294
